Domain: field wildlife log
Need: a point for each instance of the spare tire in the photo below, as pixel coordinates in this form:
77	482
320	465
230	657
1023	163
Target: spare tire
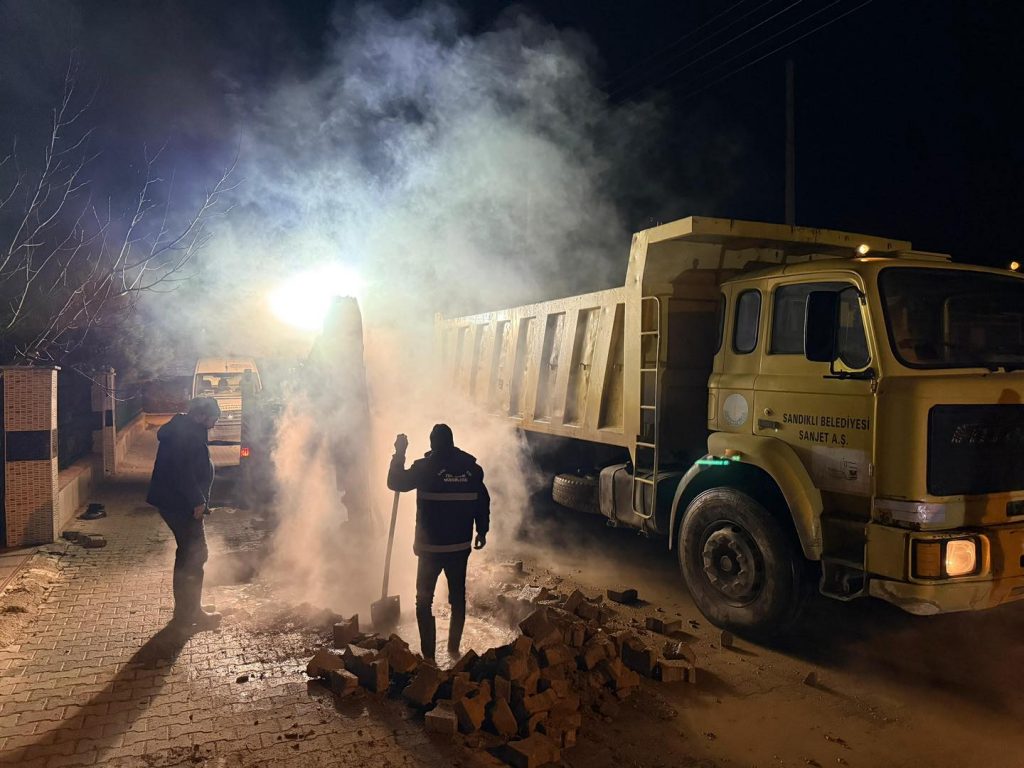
576	492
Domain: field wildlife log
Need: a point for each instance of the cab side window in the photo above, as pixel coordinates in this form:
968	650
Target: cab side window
748	318
789	309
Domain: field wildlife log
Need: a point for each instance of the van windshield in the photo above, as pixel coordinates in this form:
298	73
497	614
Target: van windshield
944	318
218	384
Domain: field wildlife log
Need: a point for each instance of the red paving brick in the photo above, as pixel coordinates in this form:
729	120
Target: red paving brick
96	682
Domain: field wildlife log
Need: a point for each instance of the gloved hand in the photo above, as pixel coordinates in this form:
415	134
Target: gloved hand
481	541
401	443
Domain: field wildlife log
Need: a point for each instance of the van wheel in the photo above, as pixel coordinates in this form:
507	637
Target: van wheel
575	492
741	566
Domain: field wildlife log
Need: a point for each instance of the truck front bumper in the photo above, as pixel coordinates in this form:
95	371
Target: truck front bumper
999	578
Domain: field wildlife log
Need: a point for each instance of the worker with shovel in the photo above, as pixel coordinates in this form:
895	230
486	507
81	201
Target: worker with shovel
450	498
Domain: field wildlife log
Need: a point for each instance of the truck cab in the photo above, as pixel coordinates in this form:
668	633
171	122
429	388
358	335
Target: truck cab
796	406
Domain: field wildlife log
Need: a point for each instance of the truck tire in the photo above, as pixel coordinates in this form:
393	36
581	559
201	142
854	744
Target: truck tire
741	565
575	492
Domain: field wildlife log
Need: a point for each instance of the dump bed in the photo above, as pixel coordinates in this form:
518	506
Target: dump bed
629	366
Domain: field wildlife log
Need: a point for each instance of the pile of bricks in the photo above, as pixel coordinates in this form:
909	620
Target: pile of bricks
524	700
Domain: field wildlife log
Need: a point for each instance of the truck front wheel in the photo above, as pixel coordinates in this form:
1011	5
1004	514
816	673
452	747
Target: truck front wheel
739	563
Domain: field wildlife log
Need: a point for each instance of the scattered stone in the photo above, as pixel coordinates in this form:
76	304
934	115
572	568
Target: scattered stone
672	671
396	651
421	691
573	601
533	594
588	611
626	596
502	688
678	650
242	679
726	639
323	662
532	752
539	628
663	626
501	718
92	541
471	710
343	682
346	631
442	718
466	662
639	658
811	679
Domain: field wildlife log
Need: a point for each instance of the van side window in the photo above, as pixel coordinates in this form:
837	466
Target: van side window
852	344
721	323
789	307
748	317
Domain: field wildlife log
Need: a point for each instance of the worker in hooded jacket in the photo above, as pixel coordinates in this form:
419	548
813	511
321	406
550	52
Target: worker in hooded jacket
180	490
450	499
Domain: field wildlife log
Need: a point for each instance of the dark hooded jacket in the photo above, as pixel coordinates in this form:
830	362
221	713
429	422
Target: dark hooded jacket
183	472
450	498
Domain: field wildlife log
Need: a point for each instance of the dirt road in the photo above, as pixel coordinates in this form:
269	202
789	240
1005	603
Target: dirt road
892	689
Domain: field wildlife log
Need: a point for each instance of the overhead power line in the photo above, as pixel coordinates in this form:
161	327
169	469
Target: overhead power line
637	64
717	48
772	52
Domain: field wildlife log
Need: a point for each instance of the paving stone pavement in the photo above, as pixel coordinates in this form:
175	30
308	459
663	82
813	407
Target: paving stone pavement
97	680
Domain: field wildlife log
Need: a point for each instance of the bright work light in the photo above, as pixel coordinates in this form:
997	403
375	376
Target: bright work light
303	299
961	557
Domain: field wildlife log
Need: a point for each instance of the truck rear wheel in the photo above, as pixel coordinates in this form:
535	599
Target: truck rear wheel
741	566
576	492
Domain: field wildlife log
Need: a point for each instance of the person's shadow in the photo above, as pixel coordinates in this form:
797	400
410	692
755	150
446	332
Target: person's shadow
98	720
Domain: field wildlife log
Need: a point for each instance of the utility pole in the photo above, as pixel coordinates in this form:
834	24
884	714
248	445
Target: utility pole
790	146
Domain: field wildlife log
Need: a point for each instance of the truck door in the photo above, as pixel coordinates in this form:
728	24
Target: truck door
825	415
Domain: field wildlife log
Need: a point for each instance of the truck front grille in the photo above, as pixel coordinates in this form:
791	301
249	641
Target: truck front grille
974	449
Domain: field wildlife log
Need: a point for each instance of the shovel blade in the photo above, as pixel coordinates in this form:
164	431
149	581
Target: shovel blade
385	612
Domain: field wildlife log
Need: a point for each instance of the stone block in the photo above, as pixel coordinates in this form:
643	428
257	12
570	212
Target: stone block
423	687
466	662
323	662
554	655
501	719
532	752
442	718
625	596
679	651
346	631
400	658
573	601
726	638
522	645
533	594
672	670
540	629
343	682
471	711
514	668
639	658
462	686
92	541
588	611
502	688
663	626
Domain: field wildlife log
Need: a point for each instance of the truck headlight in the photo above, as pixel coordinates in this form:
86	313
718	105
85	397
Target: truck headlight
945	558
961	557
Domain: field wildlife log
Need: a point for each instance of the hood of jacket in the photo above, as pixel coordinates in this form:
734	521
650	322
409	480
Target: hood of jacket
181	427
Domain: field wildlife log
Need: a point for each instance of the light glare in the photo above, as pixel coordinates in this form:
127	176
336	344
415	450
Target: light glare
303	300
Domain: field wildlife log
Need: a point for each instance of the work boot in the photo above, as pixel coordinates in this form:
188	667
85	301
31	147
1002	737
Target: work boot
455	628
428	636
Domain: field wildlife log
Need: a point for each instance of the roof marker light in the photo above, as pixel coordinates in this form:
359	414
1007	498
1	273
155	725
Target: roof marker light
863	249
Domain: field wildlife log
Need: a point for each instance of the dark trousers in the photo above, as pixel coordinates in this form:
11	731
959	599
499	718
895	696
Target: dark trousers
189	559
454	565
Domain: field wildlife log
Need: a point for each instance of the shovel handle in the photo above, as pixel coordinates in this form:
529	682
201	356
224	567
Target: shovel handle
391	540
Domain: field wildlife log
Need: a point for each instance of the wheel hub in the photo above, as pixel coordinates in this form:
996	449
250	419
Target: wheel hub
733	563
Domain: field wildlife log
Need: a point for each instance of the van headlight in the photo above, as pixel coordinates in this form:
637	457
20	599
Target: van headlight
945	558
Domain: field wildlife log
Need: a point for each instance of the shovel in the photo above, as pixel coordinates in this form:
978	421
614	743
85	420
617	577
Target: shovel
386	611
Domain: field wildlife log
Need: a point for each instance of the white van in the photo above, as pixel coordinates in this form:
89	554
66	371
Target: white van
221	378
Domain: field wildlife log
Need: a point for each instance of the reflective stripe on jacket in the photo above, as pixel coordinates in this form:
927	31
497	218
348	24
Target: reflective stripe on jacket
450	499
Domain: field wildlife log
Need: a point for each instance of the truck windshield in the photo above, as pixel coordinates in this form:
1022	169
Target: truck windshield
944	318
214	384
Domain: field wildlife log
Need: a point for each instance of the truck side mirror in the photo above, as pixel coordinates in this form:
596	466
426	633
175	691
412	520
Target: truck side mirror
821	322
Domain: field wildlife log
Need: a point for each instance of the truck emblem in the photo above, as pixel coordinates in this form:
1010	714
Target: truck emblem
735	409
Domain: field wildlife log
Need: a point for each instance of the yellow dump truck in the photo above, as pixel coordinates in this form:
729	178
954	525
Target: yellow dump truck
788	405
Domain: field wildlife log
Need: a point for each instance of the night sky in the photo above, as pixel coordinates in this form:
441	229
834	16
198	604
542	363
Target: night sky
906	111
